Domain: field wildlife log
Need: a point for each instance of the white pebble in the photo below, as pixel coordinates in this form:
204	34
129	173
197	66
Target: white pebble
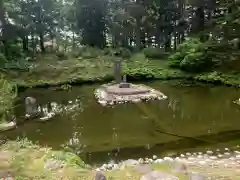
115	166
150	161
102	169
158	161
188	154
213	157
141	161
109	166
154	157
182	155
209	152
202	162
168	159
105	166
191	158
220	155
237	152
200	153
199	156
226	149
227	154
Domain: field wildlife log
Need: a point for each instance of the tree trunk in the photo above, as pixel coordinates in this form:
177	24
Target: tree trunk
25	43
138	35
42	42
168	44
73	41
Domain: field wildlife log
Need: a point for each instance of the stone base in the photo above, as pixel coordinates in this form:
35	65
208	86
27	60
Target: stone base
111	94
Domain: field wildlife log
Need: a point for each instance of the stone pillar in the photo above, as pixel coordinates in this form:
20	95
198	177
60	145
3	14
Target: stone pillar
117	71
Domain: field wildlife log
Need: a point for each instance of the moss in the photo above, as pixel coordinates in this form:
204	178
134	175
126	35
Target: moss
8	93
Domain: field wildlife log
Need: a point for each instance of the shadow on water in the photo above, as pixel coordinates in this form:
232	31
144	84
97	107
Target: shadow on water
192	117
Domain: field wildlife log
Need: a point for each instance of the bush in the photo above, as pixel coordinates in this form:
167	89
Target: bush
190	56
194	62
61	55
125	53
175	59
3	60
89	52
155	53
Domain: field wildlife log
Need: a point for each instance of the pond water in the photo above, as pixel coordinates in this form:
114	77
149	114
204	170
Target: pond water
192	118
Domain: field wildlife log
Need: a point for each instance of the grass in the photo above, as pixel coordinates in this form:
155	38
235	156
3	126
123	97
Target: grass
7	96
25	161
48	70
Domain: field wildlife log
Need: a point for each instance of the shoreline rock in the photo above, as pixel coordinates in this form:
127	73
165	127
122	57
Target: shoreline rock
8	126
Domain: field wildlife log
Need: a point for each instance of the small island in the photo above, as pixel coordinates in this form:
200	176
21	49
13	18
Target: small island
123	92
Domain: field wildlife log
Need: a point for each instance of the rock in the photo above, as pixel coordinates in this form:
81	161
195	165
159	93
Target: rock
7	178
154	157
109	166
31	109
159	161
168	159
157	175
100	176
179	168
141	161
130	162
188	154
194	176
202	162
213	157
209	152
115	166
53	165
143	169
7	126
227	154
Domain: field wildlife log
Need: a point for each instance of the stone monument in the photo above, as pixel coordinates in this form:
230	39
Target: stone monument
122	92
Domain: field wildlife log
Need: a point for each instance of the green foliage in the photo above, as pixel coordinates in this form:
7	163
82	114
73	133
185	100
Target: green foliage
154	53
88	52
190	56
61	55
67	157
8	93
3	60
194	62
125	53
175	59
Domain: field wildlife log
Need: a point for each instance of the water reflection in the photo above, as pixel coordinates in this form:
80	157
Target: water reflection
132	130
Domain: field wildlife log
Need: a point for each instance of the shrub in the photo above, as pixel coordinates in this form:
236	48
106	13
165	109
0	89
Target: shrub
155	53
190	56
61	55
175	59
125	53
3	60
89	52
194	62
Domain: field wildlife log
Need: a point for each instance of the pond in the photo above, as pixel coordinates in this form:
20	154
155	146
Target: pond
192	118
